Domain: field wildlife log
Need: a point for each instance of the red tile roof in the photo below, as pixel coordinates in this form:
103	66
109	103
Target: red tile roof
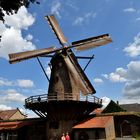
9	125
97	122
13	125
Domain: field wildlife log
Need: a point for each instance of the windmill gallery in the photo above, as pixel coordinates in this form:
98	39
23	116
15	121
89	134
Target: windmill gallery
62	107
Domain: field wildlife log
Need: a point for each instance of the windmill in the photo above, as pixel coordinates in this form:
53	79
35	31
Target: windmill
67	80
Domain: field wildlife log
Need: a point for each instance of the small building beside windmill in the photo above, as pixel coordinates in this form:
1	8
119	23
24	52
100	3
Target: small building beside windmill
101	127
109	124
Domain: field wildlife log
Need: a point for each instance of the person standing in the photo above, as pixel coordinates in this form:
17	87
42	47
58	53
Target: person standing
63	137
67	136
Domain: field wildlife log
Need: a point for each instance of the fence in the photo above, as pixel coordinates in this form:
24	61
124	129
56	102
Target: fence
63	97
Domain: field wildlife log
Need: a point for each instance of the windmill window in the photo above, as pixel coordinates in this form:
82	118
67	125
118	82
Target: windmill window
56	79
60	64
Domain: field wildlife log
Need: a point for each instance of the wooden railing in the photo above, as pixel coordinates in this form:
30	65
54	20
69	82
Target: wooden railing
67	97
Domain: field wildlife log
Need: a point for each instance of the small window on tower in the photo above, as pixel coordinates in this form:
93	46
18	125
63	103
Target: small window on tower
56	79
60	64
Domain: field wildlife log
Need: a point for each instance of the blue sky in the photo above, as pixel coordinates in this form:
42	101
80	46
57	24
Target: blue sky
115	70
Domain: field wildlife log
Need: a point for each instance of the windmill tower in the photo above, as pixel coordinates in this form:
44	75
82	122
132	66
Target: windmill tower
63	106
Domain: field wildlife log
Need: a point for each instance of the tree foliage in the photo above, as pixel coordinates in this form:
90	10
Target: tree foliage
12	6
113	107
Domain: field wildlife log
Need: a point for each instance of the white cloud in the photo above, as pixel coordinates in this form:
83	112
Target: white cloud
79	20
25	83
21	20
105	101
29	37
118	76
90	15
11	95
56	7
2	27
5	107
138	19
133	70
130	77
129	10
12	40
126	100
5	82
125	75
48	71
105	76
115	77
98	81
132	89
133	49
85	18
72	5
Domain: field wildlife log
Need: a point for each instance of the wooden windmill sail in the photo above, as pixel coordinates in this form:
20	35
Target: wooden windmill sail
67	76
